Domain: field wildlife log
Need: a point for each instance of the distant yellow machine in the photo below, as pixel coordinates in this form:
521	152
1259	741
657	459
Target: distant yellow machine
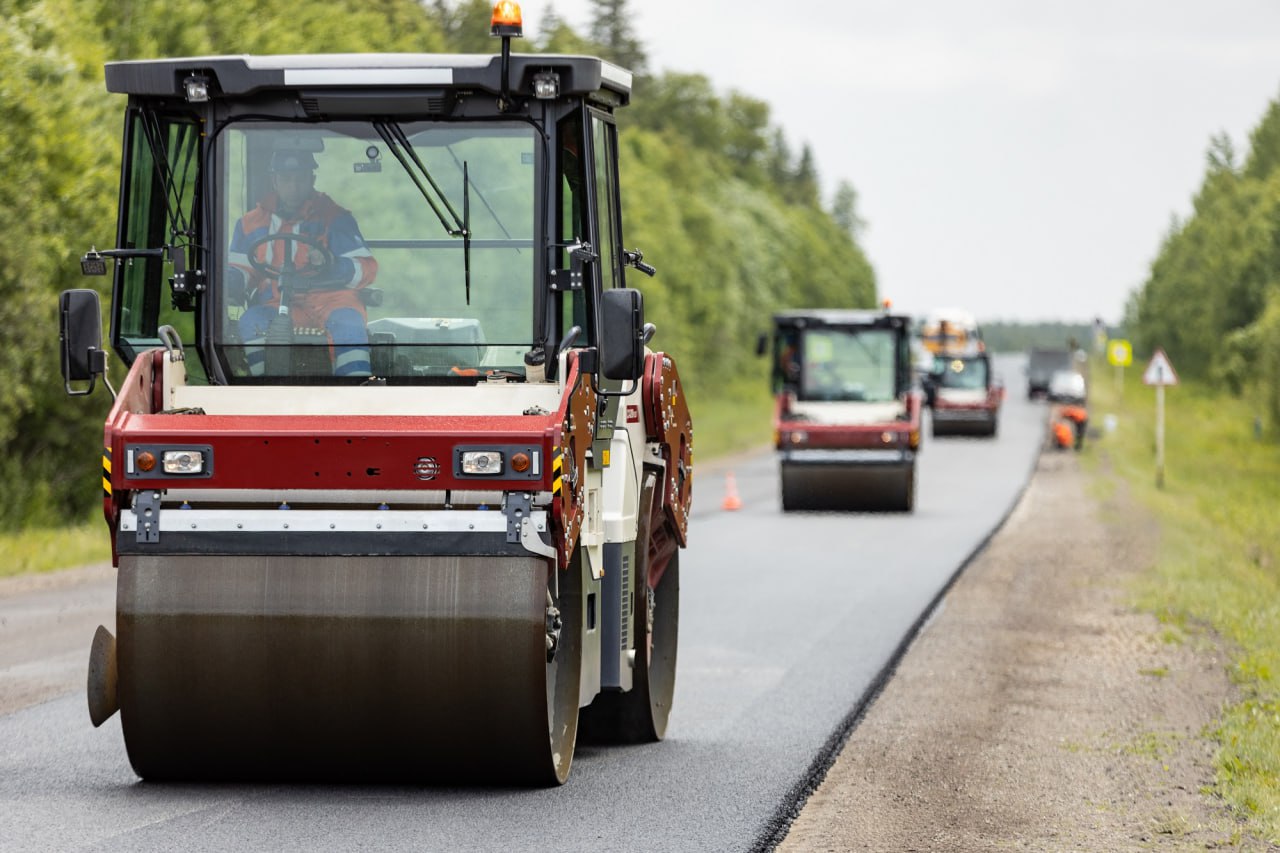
952	331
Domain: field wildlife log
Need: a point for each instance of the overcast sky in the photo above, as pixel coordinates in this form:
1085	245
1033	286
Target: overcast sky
1021	159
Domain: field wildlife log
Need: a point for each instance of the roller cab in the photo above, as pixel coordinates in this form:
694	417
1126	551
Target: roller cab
964	395
395	484
847	414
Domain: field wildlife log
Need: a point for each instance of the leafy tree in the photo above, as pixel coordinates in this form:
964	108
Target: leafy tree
1221	156
55	200
683	105
611	29
465	26
1005	336
1212	299
1264	145
779	161
804	184
744	137
556	36
844	210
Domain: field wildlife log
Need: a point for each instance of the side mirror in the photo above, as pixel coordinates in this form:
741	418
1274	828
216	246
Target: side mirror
80	338
623	335
762	344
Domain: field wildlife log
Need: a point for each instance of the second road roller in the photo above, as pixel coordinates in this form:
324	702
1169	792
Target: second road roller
964	395
396	485
847	410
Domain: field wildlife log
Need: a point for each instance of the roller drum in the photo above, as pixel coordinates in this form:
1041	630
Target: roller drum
406	668
843	487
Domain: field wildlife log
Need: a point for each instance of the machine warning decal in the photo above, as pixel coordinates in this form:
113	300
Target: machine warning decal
106	472
557	471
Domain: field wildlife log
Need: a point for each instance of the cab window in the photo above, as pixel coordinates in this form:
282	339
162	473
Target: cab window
158	208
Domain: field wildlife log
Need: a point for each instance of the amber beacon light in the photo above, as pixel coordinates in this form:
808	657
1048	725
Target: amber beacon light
507	20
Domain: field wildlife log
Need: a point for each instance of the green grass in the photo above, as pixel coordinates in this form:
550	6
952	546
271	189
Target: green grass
1155	745
731	418
44	550
1218	567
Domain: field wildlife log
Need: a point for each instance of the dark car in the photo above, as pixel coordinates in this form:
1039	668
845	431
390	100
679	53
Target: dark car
1041	365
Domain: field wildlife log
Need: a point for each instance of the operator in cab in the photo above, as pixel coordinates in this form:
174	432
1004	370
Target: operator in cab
319	272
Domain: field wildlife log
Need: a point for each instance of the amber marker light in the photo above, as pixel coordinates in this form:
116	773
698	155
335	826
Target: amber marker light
507	20
520	462
146	461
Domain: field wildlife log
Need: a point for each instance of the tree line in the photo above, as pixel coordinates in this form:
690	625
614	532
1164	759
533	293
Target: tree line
712	191
1007	336
1212	299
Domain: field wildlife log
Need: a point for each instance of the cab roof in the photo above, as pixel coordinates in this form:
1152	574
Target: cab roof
246	75
839	317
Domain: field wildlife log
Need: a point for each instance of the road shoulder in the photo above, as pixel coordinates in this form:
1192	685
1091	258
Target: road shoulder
1037	709
46	623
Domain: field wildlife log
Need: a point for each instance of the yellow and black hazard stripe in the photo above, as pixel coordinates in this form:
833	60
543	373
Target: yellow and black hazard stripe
557	471
106	472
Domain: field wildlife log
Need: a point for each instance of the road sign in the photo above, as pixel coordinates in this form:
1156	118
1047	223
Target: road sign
1119	353
1159	372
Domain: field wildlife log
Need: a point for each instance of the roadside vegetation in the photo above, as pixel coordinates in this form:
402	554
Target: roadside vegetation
1212	303
1212	300
1006	336
1217	577
44	549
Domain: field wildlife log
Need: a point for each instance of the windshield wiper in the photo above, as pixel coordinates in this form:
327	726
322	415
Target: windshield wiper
875	358
455	226
493	213
172	184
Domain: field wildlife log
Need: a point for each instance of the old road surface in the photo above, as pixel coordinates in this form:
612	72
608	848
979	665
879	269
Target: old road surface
787	625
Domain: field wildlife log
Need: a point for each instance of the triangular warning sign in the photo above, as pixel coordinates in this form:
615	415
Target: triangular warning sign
1159	371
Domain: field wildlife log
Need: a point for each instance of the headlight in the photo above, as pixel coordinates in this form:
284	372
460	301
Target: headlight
183	462
482	462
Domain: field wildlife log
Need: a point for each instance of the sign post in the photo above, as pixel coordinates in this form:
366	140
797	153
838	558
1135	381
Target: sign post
1120	356
1159	373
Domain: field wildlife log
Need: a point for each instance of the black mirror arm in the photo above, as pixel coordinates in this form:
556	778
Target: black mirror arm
94	262
649	331
621	392
127	254
97	367
635	258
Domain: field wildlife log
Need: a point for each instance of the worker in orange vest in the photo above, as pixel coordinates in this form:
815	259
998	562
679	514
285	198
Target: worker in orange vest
1079	417
1062	435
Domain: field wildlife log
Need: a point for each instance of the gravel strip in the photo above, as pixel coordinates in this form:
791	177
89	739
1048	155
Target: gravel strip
1038	710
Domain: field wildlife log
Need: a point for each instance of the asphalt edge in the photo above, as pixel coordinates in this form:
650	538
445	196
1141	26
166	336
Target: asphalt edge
779	823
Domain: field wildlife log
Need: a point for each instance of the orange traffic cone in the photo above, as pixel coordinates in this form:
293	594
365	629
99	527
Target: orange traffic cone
731	499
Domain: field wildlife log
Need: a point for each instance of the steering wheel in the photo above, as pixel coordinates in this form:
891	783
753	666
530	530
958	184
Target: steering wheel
327	259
